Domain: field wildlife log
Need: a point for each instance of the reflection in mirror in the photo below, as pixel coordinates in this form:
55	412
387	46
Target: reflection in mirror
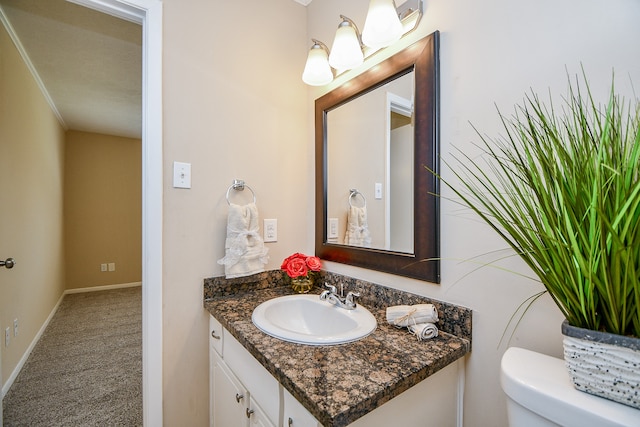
376	139
370	149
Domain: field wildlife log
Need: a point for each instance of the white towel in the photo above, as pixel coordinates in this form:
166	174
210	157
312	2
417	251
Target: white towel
357	227
406	315
245	253
424	331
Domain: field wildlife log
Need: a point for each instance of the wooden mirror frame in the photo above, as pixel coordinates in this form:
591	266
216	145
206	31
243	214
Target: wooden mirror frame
422	57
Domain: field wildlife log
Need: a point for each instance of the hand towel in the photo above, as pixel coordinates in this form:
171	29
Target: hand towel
406	315
357	227
424	331
245	253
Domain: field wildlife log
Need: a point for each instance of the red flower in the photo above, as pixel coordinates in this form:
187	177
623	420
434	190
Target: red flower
298	264
313	262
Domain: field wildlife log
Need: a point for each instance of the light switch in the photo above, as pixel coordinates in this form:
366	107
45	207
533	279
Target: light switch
181	175
332	233
378	191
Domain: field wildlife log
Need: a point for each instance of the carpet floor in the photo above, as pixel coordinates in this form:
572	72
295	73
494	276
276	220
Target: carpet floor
86	369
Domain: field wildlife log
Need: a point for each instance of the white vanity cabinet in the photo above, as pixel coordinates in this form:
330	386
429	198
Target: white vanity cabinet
243	393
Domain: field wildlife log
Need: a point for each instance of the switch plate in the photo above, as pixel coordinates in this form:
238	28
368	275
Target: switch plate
112	266
332	233
181	175
103	267
378	191
15	327
7	337
270	230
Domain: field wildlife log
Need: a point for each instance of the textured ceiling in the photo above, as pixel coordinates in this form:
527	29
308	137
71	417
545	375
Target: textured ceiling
90	63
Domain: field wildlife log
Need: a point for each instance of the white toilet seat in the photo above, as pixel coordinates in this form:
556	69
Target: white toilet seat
541	384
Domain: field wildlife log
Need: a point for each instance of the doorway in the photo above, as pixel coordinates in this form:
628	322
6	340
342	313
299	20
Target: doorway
149	14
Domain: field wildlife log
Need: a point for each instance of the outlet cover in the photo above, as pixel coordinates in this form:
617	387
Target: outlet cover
112	266
270	230
103	267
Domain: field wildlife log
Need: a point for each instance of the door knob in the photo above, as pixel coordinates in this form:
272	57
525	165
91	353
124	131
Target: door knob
9	263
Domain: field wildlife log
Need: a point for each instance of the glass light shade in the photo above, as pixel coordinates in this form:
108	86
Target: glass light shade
317	71
345	51
382	27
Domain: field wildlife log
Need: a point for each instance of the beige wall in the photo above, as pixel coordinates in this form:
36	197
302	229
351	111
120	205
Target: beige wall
31	198
234	107
102	209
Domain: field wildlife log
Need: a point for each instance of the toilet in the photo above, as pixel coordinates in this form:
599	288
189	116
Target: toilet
540	393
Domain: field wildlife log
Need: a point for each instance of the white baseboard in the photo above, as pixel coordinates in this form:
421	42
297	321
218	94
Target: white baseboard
102	288
7	385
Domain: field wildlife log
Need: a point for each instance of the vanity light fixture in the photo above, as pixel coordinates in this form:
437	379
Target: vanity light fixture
346	51
317	71
382	27
350	47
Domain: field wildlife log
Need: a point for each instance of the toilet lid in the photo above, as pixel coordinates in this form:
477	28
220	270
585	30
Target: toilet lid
541	384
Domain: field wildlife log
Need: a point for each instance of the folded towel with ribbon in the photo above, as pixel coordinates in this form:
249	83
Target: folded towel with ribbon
407	315
245	253
424	331
357	227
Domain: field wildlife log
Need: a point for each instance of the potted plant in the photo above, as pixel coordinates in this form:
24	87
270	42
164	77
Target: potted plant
562	188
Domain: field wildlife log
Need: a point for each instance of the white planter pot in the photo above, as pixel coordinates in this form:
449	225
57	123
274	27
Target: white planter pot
603	364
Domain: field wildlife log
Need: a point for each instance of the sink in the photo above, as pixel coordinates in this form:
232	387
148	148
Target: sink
305	319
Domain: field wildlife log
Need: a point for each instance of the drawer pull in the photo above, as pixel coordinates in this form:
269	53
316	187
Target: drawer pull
239	397
214	336
249	412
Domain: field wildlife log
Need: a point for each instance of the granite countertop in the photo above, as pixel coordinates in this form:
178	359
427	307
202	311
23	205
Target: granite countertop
340	383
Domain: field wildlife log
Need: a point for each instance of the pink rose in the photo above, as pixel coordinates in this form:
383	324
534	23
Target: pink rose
296	267
314	264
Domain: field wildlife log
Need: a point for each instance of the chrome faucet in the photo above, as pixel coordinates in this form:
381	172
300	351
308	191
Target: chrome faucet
331	295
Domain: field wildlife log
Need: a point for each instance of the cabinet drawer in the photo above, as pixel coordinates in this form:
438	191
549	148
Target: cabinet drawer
216	335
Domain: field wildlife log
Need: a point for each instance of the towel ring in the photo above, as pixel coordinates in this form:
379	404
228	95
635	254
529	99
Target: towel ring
353	193
239	185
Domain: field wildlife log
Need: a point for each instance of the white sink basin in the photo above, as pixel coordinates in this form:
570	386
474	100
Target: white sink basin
305	319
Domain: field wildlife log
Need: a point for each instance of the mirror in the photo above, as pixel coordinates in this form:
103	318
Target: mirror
376	138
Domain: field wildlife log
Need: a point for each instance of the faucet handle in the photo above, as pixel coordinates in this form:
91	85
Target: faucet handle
349	299
331	288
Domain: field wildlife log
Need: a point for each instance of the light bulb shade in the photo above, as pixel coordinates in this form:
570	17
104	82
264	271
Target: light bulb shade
382	27
317	71
345	51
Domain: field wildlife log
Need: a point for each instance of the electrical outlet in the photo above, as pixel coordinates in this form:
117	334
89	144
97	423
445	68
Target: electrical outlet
7	337
103	267
15	327
112	266
270	230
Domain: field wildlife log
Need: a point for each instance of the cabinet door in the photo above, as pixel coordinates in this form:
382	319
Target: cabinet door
229	397
296	415
257	417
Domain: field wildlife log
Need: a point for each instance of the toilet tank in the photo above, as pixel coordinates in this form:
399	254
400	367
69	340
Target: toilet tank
540	393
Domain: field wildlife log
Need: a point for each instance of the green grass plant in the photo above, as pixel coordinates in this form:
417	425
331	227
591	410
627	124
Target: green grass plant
562	188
